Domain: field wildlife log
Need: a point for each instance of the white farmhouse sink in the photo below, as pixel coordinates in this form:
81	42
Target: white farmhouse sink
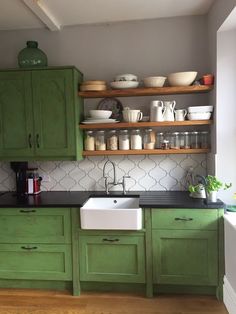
112	213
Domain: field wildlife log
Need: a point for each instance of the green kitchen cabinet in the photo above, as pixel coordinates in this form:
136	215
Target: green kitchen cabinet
185	247
112	258
35	261
40	114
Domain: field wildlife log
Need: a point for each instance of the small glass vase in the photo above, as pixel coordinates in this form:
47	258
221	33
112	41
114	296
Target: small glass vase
32	56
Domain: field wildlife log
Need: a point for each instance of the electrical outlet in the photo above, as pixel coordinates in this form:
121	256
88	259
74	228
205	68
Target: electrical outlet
45	178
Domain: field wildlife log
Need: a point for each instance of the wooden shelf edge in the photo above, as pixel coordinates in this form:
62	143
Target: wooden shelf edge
146	152
148	91
122	125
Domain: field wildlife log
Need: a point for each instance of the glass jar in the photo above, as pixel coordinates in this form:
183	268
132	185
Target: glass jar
32	56
185	140
204	139
100	142
124	140
165	144
175	143
112	140
89	140
149	139
136	139
195	143
159	140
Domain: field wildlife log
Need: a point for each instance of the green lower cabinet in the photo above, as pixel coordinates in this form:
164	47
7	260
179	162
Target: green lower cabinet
185	257
35	261
116	258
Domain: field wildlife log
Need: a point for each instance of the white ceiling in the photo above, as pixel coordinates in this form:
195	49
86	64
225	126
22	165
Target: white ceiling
18	14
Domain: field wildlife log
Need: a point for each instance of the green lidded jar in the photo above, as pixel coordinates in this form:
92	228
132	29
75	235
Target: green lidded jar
32	56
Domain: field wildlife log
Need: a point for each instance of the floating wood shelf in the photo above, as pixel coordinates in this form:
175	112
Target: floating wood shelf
125	125
148	91
146	152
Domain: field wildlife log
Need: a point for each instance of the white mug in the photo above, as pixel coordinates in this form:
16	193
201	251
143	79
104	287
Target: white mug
132	116
180	114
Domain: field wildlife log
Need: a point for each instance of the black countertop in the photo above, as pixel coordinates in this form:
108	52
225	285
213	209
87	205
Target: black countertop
154	199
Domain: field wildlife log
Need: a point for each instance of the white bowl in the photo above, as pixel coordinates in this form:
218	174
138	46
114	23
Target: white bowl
182	78
199	116
200	109
124	84
100	114
126	77
154	81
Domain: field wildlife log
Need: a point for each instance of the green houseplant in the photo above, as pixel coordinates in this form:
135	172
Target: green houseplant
213	185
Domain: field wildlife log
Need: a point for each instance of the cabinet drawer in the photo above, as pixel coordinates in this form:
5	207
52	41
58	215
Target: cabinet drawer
35	261
185	219
113	258
35	225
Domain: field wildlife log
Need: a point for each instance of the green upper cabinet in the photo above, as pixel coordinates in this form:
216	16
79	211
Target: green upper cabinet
16	124
40	114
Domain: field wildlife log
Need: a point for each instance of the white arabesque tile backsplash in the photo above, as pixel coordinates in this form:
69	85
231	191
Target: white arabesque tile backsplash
147	172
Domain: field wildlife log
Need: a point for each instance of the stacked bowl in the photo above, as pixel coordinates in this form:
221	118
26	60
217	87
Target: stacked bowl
199	112
124	81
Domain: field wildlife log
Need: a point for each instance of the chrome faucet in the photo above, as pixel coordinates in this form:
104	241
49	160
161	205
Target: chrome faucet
114	183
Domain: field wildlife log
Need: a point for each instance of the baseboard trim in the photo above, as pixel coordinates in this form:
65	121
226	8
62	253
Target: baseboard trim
229	297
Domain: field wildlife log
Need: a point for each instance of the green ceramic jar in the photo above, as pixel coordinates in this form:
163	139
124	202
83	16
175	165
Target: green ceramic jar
32	56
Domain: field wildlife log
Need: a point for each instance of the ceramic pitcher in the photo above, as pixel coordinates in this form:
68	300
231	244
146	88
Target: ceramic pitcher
169	110
156	111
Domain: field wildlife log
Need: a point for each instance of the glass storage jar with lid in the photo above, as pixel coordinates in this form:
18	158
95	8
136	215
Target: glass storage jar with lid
175	141
89	140
149	139
124	140
195	143
185	140
100	143
112	140
204	139
159	140
136	139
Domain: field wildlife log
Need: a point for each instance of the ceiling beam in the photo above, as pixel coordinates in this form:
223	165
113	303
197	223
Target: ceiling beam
39	9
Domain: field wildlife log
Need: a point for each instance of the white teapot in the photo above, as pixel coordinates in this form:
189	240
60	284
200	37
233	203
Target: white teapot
168	114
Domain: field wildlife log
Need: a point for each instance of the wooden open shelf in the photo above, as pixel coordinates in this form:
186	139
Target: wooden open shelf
125	125
148	91
146	152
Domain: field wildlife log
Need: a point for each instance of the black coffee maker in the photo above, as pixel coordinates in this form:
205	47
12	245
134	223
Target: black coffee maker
20	169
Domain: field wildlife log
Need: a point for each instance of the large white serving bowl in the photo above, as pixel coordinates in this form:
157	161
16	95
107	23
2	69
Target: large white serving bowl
100	114
124	84
182	78
200	109
154	81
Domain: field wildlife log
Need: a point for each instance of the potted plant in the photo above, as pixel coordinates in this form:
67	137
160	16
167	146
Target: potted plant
197	191
212	186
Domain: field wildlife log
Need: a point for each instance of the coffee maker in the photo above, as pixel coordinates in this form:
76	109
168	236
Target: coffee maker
20	169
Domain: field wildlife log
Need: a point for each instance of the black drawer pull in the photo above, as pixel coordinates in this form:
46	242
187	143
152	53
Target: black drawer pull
183	219
27	211
30	140
110	240
29	248
37	140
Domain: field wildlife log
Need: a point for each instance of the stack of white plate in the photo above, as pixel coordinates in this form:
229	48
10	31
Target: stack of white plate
123	81
99	116
199	112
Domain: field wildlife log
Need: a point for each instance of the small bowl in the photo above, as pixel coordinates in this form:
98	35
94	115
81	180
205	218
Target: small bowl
124	84
100	114
154	81
182	78
126	77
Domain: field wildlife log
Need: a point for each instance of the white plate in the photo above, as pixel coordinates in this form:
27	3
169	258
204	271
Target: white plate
99	121
124	84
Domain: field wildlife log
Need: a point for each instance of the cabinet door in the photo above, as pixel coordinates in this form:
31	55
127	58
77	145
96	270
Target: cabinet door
16	118
54	112
185	257
112	258
35	225
35	261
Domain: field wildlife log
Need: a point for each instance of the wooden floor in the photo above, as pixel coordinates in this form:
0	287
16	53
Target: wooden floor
41	302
